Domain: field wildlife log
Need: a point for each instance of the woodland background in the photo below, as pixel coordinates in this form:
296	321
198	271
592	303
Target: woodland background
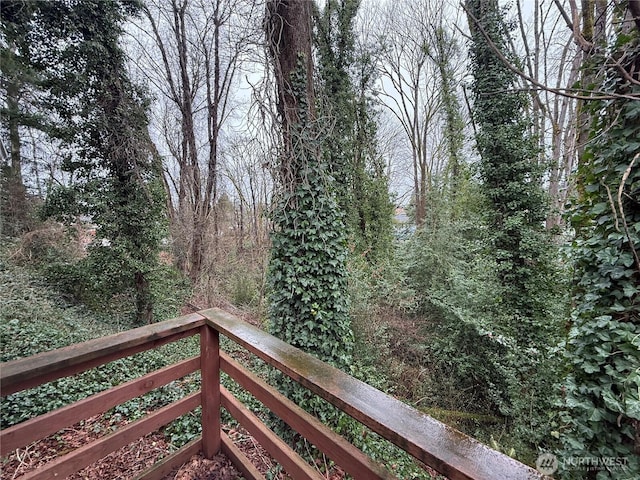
441	198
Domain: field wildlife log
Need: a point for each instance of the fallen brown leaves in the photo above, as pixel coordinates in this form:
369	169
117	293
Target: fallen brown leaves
133	459
199	468
126	462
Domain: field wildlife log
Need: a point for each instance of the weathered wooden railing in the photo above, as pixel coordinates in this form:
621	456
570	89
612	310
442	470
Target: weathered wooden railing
433	443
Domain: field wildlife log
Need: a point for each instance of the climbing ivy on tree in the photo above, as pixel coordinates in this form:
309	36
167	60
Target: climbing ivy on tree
308	300
519	244
307	270
445	49
345	79
602	390
308	303
103	121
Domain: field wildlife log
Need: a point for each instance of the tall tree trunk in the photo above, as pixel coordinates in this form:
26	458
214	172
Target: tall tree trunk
592	33
307	310
14	201
190	179
207	59
289	33
144	302
14	134
563	124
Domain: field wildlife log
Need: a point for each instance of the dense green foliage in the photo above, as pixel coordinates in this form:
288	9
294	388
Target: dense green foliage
102	121
309	308
523	324
35	319
346	80
602	402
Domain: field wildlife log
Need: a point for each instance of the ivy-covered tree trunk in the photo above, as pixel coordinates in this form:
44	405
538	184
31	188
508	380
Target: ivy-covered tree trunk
445	49
602	403
307	271
129	207
511	178
520	245
350	150
103	116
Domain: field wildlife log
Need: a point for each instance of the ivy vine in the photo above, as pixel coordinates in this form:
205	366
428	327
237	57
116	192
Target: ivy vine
602	402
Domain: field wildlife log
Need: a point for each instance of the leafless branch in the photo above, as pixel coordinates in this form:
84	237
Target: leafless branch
596	95
625	176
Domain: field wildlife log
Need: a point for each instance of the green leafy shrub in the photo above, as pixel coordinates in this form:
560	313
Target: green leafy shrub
244	291
92	281
471	358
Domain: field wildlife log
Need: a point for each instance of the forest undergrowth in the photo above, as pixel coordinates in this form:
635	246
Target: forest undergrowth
401	348
40	314
394	345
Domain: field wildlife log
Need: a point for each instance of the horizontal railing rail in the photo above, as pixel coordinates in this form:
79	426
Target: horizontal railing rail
431	442
39	369
434	443
48	366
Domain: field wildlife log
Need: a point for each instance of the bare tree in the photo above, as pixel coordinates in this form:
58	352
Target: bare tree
193	52
558	42
244	168
411	89
551	57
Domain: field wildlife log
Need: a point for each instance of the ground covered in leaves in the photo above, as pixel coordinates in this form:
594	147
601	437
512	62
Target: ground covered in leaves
135	458
127	462
199	468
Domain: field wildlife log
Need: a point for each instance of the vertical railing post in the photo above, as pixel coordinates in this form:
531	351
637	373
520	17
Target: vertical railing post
210	370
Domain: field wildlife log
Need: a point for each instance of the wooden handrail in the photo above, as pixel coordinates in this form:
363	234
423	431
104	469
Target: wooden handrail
337	448
448	451
28	431
443	448
45	367
32	371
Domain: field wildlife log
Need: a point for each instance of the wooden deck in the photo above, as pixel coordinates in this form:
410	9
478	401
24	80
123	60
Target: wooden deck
446	450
